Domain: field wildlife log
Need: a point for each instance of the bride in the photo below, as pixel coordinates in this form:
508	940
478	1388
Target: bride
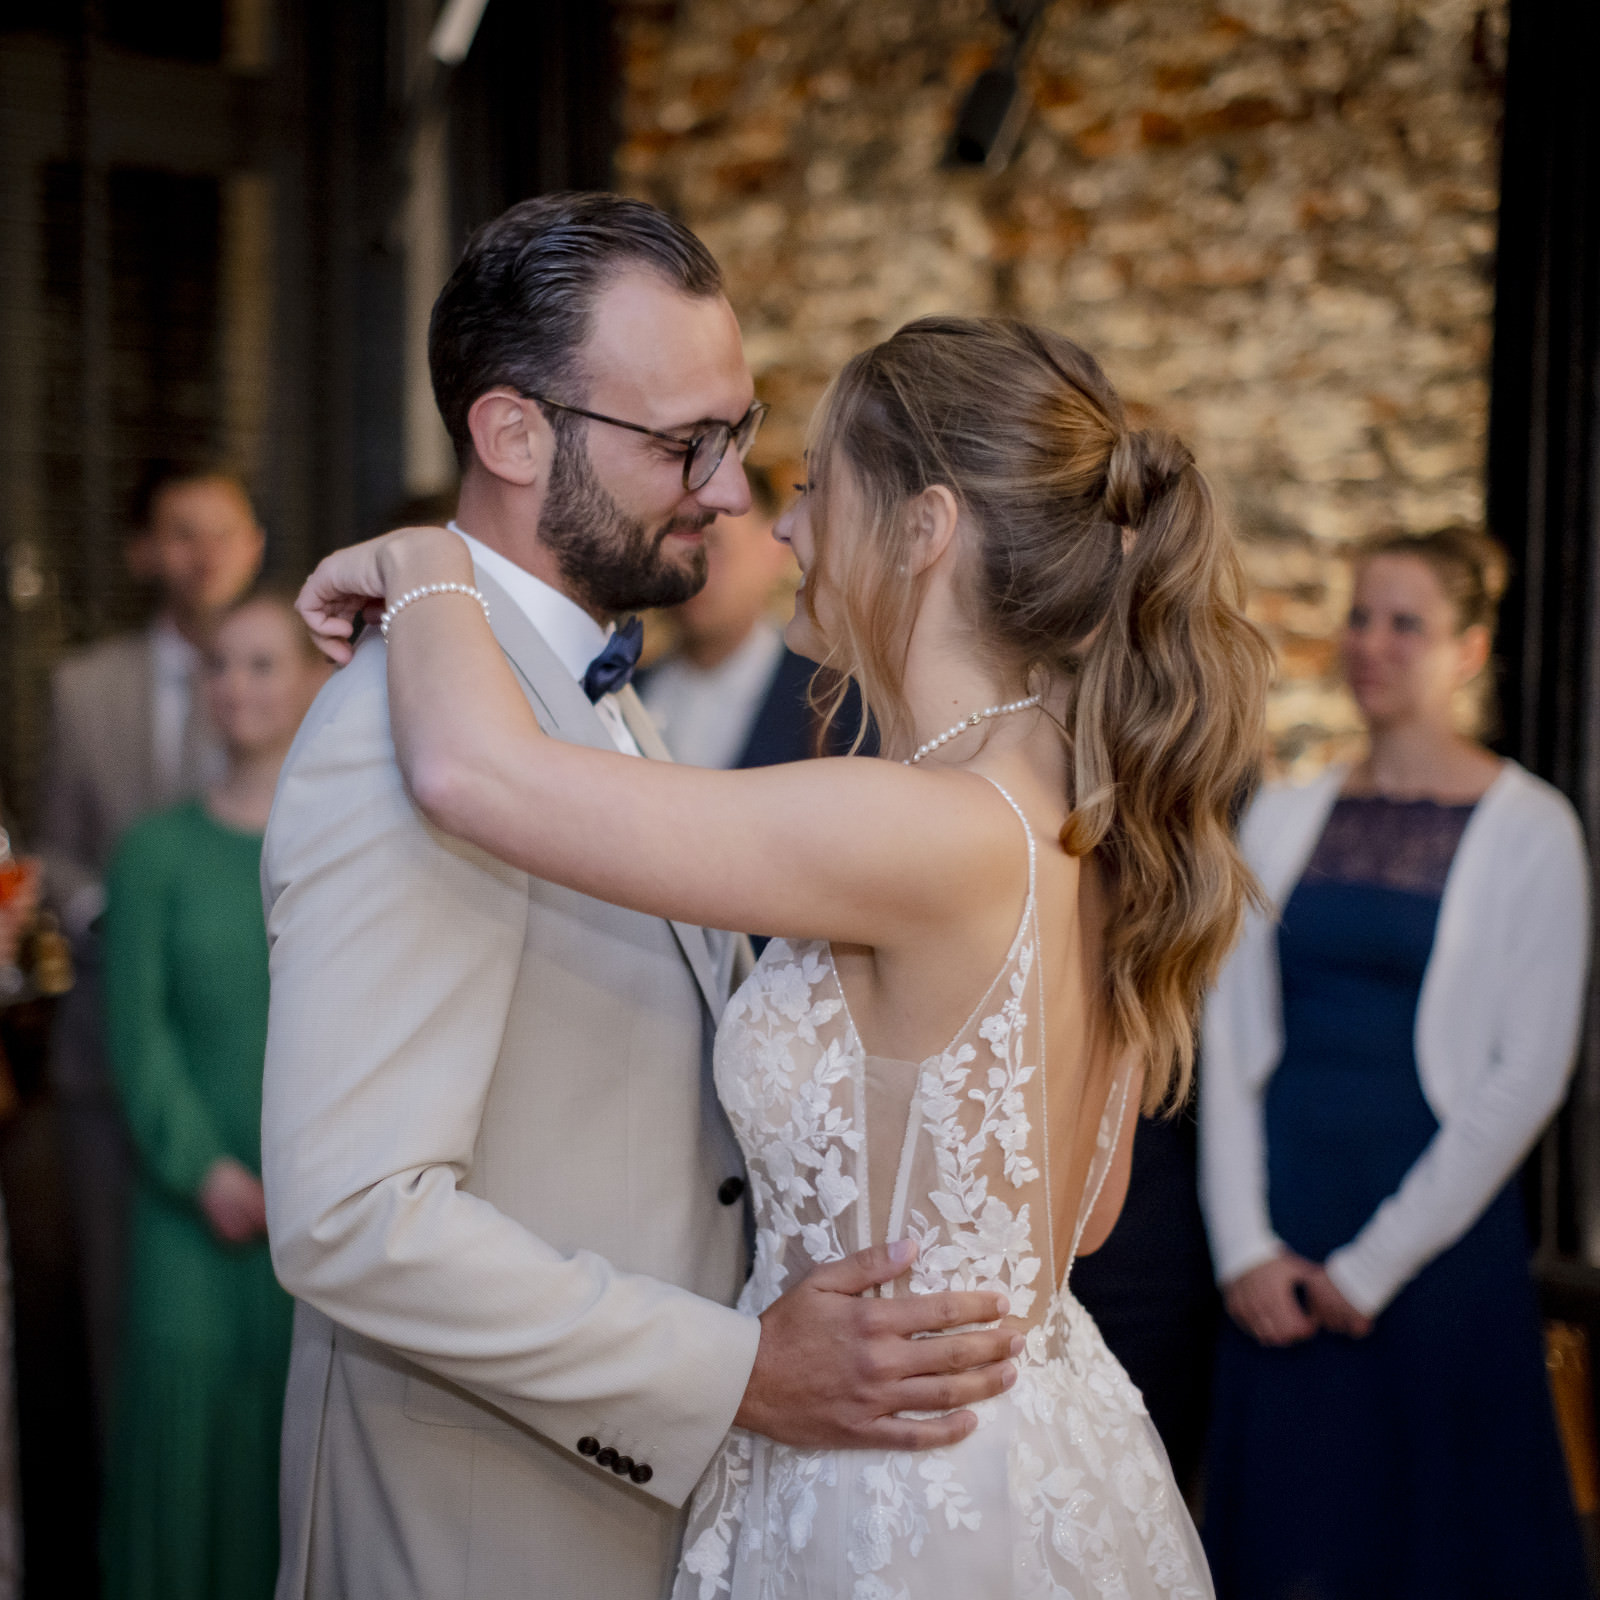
991	943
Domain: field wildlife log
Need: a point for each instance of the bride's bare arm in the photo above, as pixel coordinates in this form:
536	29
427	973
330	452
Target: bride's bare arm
855	850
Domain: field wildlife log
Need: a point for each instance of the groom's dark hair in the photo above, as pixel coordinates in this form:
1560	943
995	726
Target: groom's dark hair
519	306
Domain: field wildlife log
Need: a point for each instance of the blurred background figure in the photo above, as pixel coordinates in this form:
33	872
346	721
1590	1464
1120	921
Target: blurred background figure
129	733
1150	1291
731	693
192	1483
48	1465
1377	1066
19	903
434	510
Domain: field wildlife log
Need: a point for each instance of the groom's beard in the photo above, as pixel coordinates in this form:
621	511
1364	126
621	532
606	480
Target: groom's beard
610	559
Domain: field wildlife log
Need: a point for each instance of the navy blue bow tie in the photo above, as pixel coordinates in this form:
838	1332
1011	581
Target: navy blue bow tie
613	667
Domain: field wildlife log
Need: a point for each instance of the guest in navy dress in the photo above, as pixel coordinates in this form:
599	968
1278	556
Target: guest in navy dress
1381	1052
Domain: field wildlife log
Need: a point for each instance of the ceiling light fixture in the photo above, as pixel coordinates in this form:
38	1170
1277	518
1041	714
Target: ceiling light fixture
991	117
455	30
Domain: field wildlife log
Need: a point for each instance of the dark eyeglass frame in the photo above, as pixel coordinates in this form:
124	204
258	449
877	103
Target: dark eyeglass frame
741	435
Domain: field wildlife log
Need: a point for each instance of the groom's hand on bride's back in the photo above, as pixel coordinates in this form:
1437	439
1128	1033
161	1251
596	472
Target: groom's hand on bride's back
834	1367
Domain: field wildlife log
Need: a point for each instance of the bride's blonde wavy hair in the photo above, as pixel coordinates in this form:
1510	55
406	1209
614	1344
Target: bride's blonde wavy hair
1167	679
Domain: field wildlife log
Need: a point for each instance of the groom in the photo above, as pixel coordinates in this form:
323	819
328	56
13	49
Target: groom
498	1178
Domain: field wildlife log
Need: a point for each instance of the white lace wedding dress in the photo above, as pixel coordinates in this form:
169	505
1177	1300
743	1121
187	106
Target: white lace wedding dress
1064	1488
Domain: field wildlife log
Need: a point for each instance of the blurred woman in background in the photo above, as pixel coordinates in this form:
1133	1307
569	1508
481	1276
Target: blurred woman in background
1381	1053
191	1498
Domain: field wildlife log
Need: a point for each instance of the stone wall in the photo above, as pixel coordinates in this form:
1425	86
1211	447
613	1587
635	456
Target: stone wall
1273	220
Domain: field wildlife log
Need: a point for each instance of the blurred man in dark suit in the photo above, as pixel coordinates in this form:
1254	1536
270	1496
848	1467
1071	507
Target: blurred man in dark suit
129	734
732	694
1149	1289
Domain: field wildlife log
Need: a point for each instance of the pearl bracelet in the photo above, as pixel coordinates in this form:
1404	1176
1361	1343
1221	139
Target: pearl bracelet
422	593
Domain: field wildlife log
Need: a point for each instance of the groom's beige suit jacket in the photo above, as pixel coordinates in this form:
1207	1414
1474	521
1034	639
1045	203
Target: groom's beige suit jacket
492	1153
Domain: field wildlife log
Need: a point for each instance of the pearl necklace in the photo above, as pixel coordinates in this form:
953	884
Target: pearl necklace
970	722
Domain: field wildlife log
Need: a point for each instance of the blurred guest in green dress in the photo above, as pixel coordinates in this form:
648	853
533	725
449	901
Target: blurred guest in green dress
191	1499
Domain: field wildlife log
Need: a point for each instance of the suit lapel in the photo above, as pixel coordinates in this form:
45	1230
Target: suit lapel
781	729
563	709
644	731
558	700
697	943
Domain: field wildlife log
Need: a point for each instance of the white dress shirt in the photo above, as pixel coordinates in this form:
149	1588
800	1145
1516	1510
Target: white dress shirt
176	684
706	713
176	661
569	630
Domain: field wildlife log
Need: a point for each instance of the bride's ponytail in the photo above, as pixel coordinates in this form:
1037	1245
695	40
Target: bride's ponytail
1166	734
1102	566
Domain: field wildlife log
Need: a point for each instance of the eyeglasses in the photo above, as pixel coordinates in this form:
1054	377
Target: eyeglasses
702	453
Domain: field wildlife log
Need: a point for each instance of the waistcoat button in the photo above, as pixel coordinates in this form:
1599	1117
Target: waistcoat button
730	1191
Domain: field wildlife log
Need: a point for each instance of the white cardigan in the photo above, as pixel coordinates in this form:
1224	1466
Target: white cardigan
1496	1031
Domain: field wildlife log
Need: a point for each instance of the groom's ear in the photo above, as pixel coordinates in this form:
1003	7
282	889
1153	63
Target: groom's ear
511	437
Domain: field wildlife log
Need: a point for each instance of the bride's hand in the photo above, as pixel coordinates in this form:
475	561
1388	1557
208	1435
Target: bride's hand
361	579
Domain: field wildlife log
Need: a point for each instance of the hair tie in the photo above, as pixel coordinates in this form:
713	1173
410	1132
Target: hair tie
1143	465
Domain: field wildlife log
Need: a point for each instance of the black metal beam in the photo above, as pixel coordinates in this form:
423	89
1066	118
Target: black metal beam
1544	493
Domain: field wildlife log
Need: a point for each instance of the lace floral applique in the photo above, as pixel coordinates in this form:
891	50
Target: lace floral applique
990	1246
708	1557
786	1115
946	1493
793	1479
1391	844
1064	1518
889	1512
1080	1515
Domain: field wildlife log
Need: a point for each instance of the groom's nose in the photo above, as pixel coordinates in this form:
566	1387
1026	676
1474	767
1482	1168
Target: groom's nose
728	490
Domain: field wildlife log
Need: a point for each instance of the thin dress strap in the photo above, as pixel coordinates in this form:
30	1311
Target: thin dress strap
1109	1132
1107	1137
1028	929
1033	848
961	1048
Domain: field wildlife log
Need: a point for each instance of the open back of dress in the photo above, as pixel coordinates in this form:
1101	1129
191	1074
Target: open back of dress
966	1153
848	1150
